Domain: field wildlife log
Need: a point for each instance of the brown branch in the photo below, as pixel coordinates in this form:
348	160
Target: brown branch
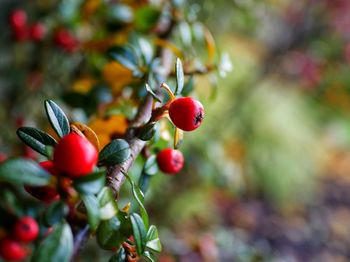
115	174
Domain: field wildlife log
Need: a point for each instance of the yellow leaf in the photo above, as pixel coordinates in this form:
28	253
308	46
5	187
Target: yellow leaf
87	132
117	75
83	85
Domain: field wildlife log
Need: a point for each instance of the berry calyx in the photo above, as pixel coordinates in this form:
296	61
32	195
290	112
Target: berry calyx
186	113
170	161
46	194
37	32
12	250
75	156
18	19
26	229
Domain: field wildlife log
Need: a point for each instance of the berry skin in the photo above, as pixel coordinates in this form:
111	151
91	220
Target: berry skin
65	40
37	32
170	161
186	113
18	19
26	229
46	194
75	156
12	250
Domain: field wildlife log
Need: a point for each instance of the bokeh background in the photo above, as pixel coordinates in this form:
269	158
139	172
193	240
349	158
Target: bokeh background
267	174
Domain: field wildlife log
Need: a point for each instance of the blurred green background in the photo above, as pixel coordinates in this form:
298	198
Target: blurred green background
267	174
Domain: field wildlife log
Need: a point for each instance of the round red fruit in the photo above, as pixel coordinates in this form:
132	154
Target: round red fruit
26	229
18	19
12	250
37	32
66	40
170	161
75	156
186	113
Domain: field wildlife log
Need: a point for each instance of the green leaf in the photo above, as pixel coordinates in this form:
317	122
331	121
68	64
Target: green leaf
56	247
149	256
55	213
153	241
57	118
92	207
151	166
179	71
188	87
113	232
116	152
108	205
118	14
36	139
120	256
147	132
90	184
139	233
125	56
149	90
146	17
24	171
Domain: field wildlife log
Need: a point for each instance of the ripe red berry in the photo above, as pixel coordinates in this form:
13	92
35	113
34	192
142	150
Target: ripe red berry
18	19
46	194
26	229
75	156
170	161
37	32
20	34
66	40
12	250
186	113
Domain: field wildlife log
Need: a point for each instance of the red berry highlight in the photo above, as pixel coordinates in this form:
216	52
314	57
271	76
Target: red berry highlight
186	113
26	229
75	156
46	194
37	32
170	161
18	19
12	250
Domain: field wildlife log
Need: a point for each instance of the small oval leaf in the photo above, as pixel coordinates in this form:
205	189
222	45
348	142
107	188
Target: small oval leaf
57	247
36	139
116	152
154	95
90	184
139	233
92	207
24	171
179	71
57	118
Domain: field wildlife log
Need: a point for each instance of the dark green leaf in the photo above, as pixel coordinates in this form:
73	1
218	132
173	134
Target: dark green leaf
179	76
57	118
120	256
149	90
116	152
55	213
108	205
149	256
24	171
92	207
36	139
125	56
56	247
147	132
90	184
153	241
146	17
139	233
113	232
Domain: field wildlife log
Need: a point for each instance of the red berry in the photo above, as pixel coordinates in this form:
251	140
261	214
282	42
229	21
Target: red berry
3	157
170	161
186	113
75	156
20	34
26	229
18	19
12	250
46	194
37	32
66	40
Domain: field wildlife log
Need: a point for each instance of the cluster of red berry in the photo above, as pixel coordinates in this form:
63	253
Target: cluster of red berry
14	246
186	114
74	156
37	31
